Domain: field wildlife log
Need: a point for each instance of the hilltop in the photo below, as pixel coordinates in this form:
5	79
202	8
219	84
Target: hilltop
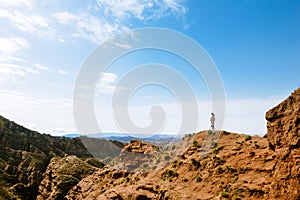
238	167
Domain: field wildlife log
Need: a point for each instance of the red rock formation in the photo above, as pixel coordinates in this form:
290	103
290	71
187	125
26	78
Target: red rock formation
284	123
284	138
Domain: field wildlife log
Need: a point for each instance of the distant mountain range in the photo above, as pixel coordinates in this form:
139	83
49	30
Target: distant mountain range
124	138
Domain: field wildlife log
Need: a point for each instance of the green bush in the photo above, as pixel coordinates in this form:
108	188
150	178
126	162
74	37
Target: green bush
248	137
184	180
195	143
216	150
169	174
224	194
198	178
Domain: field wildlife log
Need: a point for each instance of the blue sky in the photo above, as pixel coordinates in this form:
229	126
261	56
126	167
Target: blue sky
255	45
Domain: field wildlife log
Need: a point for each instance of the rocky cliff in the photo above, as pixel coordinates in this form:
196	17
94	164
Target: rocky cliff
284	123
284	138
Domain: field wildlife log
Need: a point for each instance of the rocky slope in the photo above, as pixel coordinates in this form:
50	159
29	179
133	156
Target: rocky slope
64	173
238	167
24	156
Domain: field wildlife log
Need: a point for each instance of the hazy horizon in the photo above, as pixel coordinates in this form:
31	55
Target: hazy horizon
254	44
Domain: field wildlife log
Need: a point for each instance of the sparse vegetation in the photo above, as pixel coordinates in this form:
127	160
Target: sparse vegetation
235	178
180	163
248	137
230	169
216	150
219	170
198	178
195	143
176	163
224	194
120	182
184	180
169	174
219	160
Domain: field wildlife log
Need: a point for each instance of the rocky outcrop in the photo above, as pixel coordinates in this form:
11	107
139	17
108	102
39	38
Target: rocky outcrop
61	175
284	124
284	138
135	157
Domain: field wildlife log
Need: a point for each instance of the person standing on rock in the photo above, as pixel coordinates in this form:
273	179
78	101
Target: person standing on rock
212	121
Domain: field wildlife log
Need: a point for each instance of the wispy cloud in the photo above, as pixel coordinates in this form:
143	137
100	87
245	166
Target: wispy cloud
32	24
141	9
11	65
89	27
10	46
116	17
19	3
62	72
42	67
106	83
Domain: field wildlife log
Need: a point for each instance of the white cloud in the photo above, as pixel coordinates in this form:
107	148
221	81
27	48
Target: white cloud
61	40
10	46
42	67
48	69
65	17
141	9
7	71
62	72
106	83
89	27
60	131
18	3
11	65
116	17
33	24
32	71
